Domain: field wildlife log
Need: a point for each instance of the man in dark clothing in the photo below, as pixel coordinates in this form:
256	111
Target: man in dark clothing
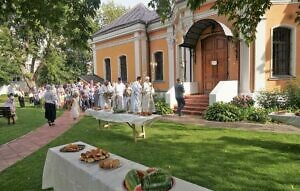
179	91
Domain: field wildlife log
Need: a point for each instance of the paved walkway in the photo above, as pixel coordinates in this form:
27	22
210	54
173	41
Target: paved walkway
25	145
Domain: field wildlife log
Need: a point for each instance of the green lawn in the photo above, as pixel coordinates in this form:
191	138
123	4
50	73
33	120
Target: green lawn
28	119
219	159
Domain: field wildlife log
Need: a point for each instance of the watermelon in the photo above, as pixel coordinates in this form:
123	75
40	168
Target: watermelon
132	180
158	180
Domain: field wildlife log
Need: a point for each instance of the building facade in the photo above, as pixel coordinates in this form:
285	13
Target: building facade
198	47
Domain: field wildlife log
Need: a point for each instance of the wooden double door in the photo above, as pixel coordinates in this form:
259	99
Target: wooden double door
214	51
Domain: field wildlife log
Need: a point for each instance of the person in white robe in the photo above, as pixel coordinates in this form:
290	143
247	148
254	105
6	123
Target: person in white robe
127	97
119	91
148	106
108	92
101	101
136	96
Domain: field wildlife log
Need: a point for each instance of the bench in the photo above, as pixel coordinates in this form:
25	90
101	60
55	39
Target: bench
5	112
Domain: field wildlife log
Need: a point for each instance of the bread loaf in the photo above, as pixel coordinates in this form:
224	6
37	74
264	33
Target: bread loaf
109	163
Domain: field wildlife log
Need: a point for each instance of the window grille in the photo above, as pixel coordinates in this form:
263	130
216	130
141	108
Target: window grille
107	69
159	67
123	67
281	51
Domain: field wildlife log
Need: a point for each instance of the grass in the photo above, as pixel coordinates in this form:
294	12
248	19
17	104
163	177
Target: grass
219	159
28	119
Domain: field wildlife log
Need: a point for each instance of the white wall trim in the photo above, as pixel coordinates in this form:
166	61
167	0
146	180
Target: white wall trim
119	33
276	2
95	59
158	26
260	57
137	53
244	68
205	14
117	43
145	55
293	48
158	37
171	63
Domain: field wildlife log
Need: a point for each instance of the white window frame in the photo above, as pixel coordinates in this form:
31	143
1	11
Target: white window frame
104	68
163	69
119	66
292	52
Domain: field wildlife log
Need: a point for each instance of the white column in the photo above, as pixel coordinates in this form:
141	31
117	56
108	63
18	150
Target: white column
260	60
188	65
244	68
170	41
94	59
144	55
181	64
137	53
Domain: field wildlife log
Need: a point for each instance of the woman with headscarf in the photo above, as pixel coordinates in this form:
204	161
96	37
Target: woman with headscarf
50	105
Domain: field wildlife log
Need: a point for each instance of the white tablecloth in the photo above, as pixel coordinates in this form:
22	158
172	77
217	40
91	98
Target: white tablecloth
65	172
121	117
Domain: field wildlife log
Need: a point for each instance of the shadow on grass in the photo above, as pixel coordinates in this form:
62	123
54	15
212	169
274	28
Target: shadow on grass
216	159
270	145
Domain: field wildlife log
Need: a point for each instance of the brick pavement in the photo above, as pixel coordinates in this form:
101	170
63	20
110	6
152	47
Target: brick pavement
18	149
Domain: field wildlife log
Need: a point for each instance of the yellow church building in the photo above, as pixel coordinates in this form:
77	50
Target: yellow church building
198	47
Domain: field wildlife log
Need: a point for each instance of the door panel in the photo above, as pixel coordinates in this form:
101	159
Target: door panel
214	49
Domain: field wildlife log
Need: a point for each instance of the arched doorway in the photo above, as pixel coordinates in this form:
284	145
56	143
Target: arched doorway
209	41
214	61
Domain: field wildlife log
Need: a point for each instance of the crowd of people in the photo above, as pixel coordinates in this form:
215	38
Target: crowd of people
135	97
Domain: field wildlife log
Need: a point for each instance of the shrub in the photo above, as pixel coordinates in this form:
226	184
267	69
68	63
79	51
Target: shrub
257	115
161	106
223	112
272	100
243	101
293	93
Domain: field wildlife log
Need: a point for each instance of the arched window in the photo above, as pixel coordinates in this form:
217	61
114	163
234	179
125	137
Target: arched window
123	68
159	72
281	62
107	69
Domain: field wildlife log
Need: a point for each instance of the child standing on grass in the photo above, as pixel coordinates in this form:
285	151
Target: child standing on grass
75	109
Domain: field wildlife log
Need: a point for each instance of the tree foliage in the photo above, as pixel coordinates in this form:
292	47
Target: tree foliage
245	14
42	28
109	12
10	56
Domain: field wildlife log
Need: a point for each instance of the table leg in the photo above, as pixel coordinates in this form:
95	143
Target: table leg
134	132
144	131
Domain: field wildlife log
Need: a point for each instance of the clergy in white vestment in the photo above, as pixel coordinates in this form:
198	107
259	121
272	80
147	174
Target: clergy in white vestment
147	97
119	91
136	96
101	101
127	97
108	92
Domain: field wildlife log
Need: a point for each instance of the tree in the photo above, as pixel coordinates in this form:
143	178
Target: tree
10	56
42	27
109	12
245	14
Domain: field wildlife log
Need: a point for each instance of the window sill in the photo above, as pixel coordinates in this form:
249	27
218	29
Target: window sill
283	77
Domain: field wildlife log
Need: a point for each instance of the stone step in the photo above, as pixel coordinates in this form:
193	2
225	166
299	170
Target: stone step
190	112
196	103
